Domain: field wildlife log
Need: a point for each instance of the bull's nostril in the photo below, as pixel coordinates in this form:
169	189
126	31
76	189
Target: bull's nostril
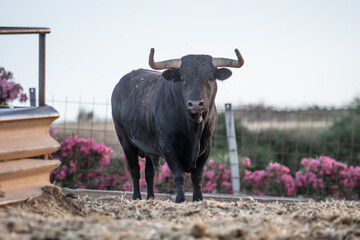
196	105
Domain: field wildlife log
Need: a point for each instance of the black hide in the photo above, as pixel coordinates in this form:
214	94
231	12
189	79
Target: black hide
170	115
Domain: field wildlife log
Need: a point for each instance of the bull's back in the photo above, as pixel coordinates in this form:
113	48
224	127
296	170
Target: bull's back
133	84
131	107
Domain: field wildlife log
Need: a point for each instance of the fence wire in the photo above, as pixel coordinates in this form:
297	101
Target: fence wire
264	134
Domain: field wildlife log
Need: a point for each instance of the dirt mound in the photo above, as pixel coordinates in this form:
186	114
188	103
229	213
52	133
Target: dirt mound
52	202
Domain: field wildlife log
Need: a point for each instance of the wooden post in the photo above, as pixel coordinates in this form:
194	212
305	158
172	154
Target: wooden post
232	147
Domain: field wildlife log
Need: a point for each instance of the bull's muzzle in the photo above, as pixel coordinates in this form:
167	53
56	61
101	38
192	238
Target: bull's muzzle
196	106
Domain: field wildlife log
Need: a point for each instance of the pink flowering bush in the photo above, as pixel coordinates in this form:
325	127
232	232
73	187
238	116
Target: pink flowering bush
275	180
318	178
325	176
246	162
216	178
9	90
87	164
83	164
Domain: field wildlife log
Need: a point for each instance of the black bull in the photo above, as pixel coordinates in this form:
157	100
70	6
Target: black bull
169	114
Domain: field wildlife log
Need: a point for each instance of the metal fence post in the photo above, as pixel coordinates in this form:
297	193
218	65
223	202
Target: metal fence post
32	97
232	147
42	69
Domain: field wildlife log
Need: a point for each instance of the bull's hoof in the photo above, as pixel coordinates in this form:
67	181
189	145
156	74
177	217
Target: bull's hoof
180	198
150	196
136	196
197	196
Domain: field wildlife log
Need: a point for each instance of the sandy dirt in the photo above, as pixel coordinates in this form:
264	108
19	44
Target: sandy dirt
56	216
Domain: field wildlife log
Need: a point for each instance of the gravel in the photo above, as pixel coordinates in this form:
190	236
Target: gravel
56	216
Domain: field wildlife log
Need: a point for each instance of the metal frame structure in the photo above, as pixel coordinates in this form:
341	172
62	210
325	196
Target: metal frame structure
42	44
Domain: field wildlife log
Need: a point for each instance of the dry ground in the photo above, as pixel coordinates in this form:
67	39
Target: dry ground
55	216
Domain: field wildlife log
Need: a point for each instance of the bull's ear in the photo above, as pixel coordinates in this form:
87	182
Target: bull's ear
171	74
222	73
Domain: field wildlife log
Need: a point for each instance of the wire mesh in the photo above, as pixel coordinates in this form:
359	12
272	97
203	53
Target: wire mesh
265	134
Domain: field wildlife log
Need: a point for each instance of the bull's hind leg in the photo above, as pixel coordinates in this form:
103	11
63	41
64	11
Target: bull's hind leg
132	160
134	169
149	176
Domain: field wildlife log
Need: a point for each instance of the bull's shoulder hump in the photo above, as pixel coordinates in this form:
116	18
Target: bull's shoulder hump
140	75
143	73
146	71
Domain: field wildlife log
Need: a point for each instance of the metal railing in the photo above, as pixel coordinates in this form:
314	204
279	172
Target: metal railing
42	43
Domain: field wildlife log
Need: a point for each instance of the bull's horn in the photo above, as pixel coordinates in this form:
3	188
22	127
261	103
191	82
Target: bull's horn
226	62
173	63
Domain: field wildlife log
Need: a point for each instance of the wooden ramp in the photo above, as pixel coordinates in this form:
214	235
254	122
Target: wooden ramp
25	146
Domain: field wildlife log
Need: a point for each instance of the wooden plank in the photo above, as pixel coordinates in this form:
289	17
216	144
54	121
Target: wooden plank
25	132
20	179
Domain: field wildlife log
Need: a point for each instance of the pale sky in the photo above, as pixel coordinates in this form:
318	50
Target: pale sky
297	53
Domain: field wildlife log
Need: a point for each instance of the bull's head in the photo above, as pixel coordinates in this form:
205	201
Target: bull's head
198	74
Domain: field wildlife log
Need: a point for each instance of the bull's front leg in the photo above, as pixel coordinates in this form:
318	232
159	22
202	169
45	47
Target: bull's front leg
179	183
196	176
178	176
